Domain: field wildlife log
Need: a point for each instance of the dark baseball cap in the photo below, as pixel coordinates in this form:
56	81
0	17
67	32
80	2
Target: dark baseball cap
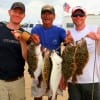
18	5
48	8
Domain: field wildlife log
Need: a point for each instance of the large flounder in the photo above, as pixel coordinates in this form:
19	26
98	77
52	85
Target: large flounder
46	68
75	56
68	63
35	60
55	73
81	57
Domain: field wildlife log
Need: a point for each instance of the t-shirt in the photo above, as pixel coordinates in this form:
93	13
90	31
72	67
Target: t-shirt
11	60
50	38
91	71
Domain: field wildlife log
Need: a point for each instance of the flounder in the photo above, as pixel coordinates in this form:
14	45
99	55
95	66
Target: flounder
81	57
75	56
68	63
46	69
35	60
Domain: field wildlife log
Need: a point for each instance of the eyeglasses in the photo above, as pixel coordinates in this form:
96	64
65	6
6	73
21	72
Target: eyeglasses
80	15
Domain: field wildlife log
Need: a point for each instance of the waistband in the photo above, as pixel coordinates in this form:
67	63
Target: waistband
13	79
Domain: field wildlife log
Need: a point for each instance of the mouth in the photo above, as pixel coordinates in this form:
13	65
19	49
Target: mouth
46	19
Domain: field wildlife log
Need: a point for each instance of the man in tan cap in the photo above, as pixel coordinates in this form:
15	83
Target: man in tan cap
50	36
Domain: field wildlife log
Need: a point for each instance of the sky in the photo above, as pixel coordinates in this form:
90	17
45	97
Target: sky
33	8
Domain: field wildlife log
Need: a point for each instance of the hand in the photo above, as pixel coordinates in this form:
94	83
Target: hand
36	81
68	38
62	84
91	35
35	38
16	34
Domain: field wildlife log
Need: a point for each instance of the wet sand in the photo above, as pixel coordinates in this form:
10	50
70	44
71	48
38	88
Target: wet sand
28	88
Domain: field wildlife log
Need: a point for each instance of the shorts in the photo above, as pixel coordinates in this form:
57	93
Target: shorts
41	91
13	90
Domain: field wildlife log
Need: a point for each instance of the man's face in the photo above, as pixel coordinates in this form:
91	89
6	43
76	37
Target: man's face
47	18
16	15
78	17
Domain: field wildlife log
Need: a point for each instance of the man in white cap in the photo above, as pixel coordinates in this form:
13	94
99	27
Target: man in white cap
87	86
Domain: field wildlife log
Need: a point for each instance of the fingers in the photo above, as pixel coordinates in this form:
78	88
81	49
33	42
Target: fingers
62	84
35	38
16	35
68	39
68	33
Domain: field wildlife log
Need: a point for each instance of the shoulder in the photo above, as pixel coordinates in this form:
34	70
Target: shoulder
92	28
36	28
22	29
2	24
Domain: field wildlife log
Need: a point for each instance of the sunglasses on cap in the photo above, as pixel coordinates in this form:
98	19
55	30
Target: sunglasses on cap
80	15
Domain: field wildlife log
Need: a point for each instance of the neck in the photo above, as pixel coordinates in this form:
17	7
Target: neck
47	25
80	27
13	26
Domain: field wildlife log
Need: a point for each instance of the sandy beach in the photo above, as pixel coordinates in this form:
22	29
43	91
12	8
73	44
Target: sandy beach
28	88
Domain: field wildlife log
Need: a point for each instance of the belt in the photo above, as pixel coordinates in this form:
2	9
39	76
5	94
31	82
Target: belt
13	79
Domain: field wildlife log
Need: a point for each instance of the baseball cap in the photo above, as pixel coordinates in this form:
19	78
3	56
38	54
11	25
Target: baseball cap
78	8
48	8
18	5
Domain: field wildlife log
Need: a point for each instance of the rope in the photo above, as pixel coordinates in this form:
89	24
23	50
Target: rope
93	73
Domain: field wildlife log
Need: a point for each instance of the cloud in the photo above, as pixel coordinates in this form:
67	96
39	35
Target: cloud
33	8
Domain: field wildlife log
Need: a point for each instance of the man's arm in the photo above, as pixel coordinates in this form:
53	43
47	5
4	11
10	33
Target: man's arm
93	35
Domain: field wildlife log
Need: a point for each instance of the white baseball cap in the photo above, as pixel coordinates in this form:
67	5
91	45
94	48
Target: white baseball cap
78	8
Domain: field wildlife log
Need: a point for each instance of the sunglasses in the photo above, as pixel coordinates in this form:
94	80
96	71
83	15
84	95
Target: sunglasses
80	15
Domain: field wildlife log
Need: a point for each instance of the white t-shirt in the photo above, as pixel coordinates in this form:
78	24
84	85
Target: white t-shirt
92	68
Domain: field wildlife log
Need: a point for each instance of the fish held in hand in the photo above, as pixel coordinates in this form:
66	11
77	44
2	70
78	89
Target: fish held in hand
68	63
46	70
35	60
55	73
81	57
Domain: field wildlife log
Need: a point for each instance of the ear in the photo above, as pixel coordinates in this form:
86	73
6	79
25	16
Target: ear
9	11
54	16
24	15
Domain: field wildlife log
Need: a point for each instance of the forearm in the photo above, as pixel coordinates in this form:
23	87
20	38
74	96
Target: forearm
94	35
98	33
23	48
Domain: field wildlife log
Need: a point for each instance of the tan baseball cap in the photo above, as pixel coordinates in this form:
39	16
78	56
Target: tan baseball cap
48	8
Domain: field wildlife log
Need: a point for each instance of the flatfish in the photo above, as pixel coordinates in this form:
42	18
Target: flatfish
68	63
46	69
35	60
55	73
81	57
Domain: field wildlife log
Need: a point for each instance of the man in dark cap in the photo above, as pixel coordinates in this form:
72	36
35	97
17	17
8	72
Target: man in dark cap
18	5
12	55
50	36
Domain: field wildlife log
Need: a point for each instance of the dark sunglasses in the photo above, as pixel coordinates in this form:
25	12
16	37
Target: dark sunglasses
80	15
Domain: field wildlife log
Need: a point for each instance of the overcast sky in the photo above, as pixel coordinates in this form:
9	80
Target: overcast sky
33	8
